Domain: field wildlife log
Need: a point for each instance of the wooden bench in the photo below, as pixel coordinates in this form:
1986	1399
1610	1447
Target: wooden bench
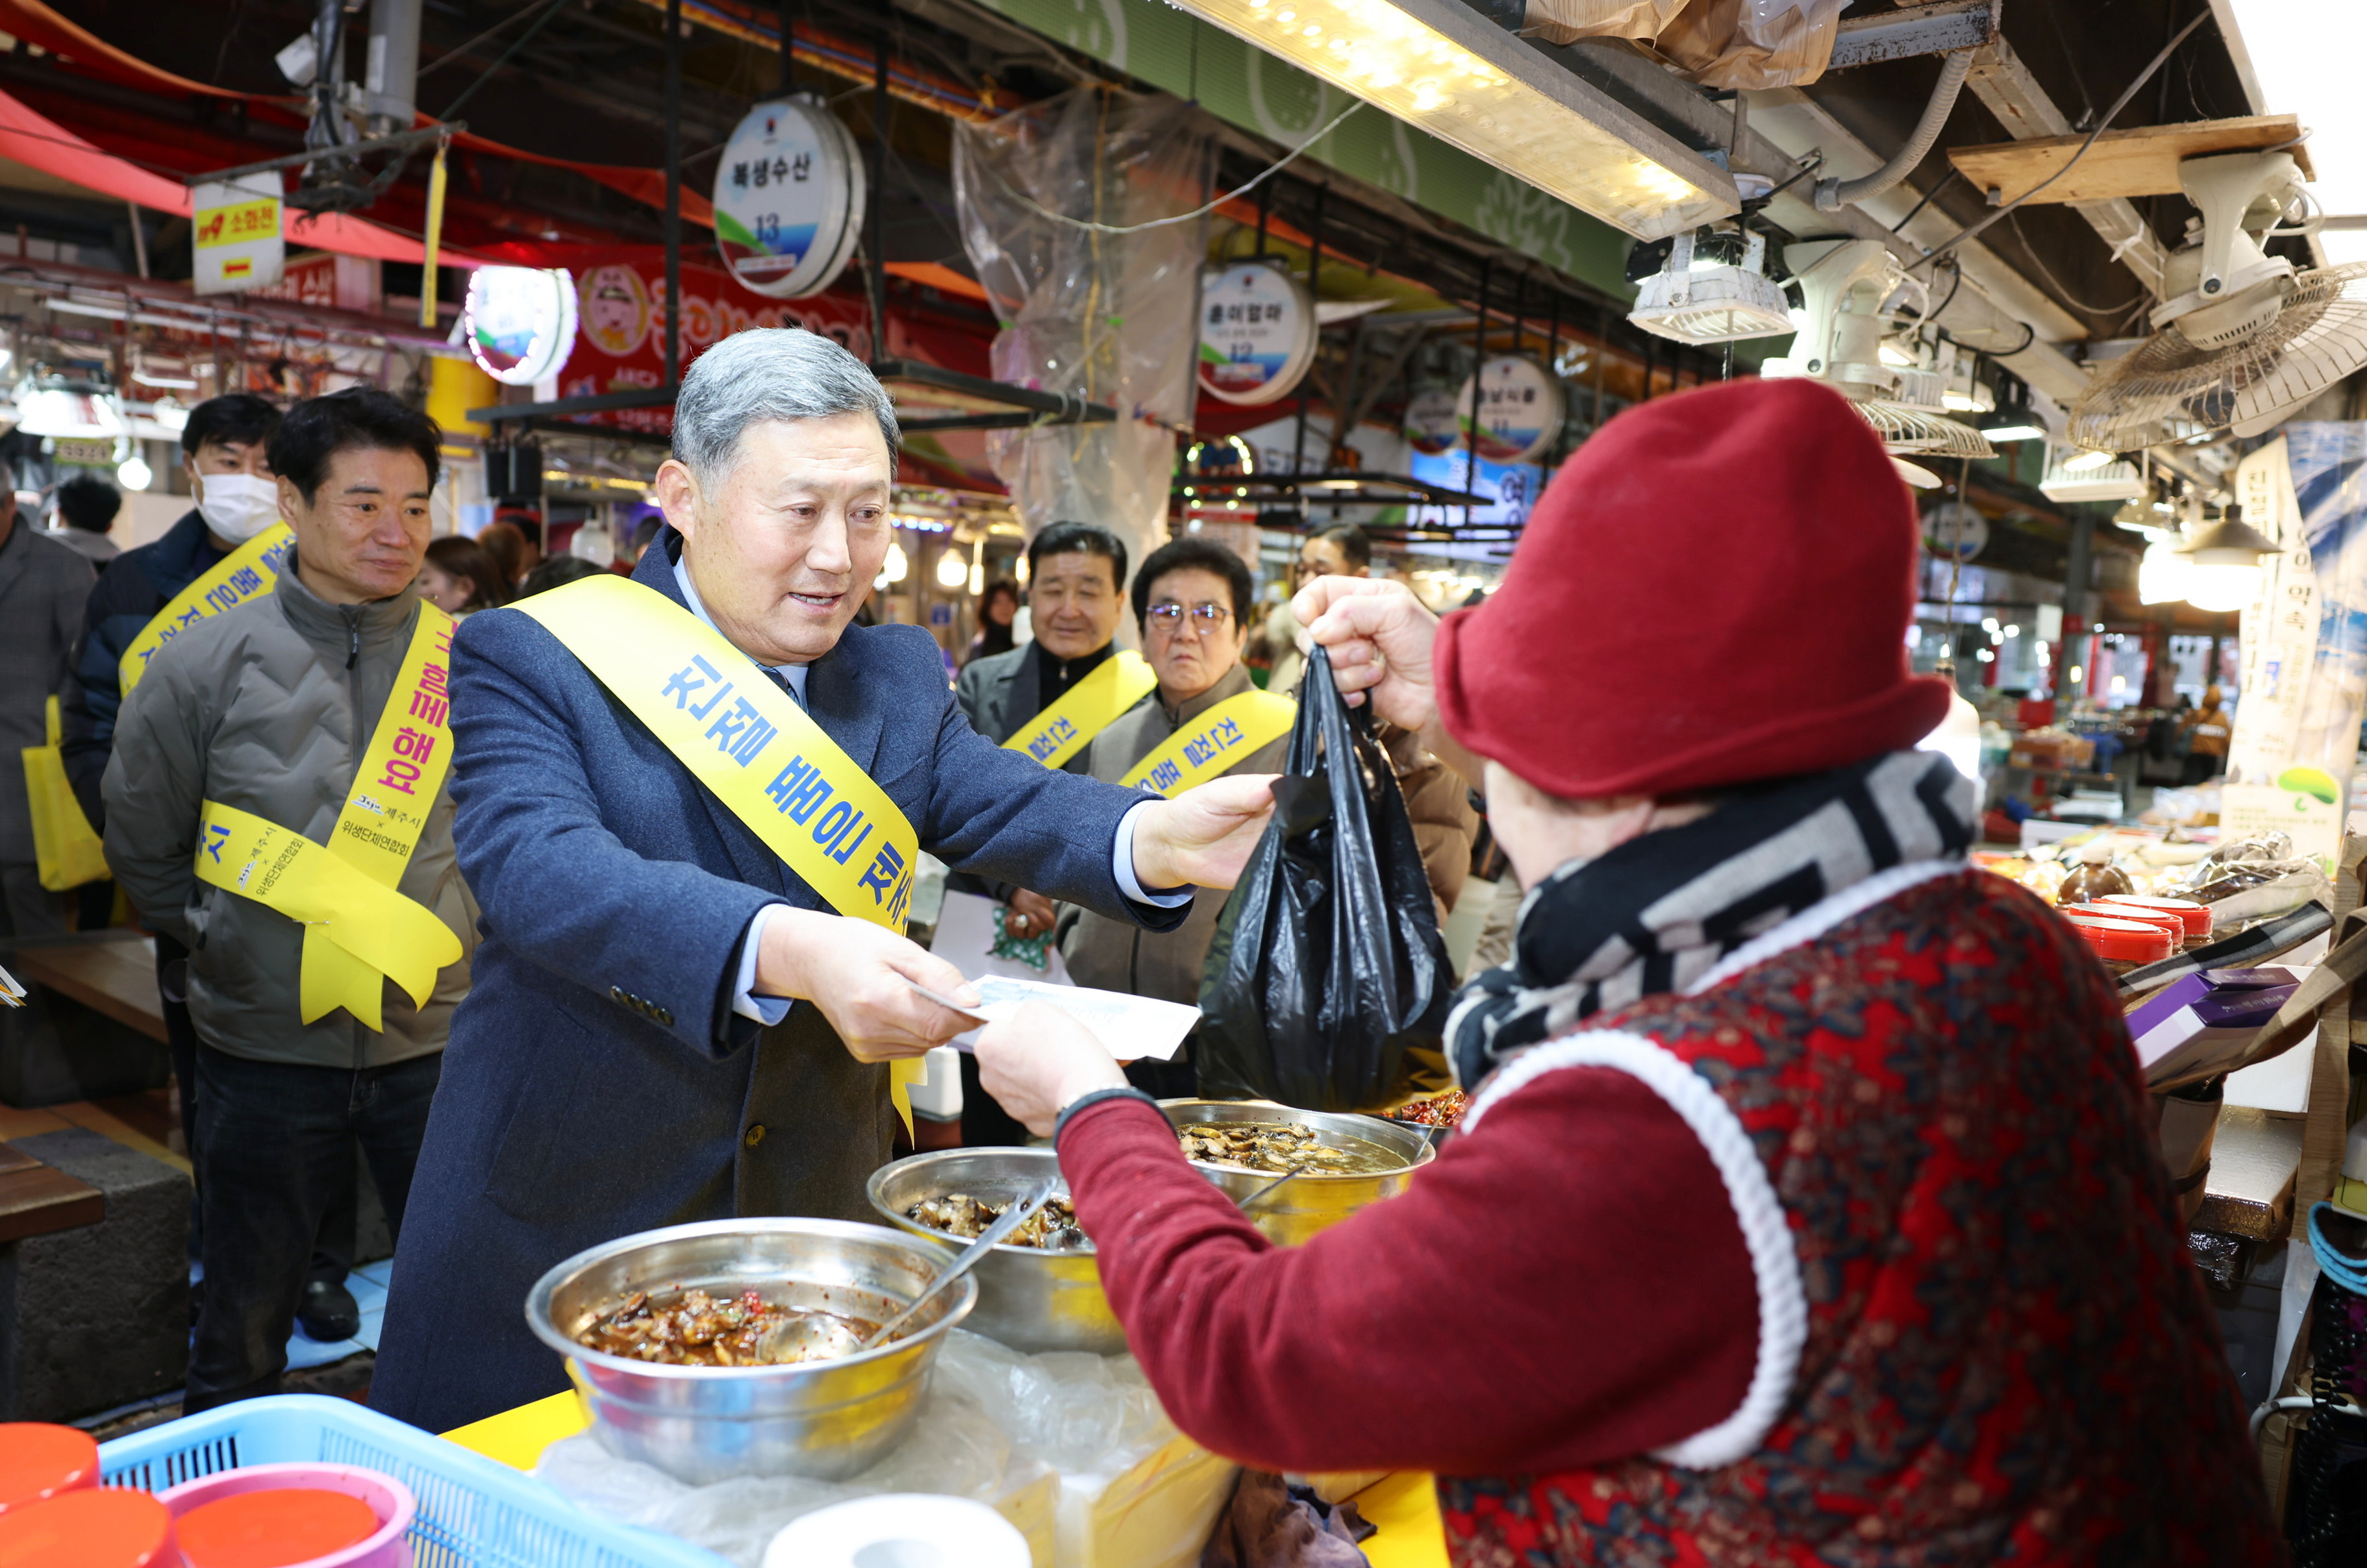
39	1199
116	978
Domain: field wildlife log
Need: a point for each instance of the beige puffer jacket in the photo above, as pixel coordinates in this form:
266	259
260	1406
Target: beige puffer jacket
268	708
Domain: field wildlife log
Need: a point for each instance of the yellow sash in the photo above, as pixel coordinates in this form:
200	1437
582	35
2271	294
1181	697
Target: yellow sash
1214	741
249	571
359	931
753	748
1085	710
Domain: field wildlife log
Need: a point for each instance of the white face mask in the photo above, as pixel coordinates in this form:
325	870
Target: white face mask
238	506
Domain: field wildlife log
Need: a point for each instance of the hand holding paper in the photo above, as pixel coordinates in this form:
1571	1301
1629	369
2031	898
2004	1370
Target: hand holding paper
1038	1059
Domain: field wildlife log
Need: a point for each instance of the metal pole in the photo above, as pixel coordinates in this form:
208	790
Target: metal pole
1553	369
1314	269
1265	200
789	50
1479	360
673	192
878	200
1519	300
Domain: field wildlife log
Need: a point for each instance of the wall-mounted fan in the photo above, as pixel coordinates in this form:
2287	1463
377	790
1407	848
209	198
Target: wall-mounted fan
2243	340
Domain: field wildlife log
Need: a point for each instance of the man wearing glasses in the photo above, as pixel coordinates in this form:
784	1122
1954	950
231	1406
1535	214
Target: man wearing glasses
1189	600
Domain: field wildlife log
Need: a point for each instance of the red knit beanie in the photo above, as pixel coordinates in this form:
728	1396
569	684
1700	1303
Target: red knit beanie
1714	589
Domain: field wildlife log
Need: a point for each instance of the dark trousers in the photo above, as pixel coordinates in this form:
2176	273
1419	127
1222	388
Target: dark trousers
272	1141
333	1251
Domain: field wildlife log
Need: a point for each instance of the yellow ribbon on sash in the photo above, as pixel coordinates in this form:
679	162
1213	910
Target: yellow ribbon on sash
1214	741
1085	710
359	931
248	572
753	748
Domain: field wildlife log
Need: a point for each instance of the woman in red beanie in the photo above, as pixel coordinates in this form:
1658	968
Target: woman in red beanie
1806	1209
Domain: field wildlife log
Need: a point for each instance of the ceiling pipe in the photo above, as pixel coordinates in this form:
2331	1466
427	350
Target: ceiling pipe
1834	194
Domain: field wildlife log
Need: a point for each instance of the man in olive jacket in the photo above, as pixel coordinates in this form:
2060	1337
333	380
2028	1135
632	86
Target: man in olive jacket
268	708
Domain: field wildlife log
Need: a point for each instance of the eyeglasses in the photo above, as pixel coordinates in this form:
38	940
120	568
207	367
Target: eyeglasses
1170	615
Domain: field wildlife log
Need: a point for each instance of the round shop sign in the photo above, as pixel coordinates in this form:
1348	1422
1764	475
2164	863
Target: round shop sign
788	198
1952	528
1257	332
1520	408
520	321
1433	422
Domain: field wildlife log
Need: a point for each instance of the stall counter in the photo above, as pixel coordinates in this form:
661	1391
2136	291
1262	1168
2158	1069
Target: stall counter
1403	1508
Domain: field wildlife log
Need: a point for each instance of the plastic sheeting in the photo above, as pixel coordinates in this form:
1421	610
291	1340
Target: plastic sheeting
1566	21
2305	638
1750	45
1111	316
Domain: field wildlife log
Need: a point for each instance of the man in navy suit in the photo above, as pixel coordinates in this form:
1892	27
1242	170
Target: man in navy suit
668	1024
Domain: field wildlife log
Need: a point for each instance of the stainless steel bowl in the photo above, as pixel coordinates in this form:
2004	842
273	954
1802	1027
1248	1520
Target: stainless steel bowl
826	1419
1310	1203
1029	1299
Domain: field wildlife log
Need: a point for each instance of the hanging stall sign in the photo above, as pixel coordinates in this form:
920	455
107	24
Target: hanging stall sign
1257	332
788	198
1952	528
235	234
1519	408
520	321
1433	422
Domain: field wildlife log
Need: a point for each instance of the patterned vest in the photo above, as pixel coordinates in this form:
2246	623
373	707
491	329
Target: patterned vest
1980	1338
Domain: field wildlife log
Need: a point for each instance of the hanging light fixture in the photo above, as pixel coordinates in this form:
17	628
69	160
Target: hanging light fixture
2225	558
2164	574
2012	419
951	571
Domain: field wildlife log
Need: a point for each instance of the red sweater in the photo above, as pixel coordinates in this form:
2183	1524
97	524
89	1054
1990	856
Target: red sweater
1569	1288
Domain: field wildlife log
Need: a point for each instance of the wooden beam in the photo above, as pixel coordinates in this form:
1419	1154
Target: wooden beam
2141	161
38	1200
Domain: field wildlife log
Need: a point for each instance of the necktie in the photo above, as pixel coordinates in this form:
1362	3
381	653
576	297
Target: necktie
784	682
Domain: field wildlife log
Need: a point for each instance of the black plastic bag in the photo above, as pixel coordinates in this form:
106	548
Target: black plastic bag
1327	963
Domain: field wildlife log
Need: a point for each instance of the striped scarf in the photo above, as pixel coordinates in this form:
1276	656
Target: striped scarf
1659	912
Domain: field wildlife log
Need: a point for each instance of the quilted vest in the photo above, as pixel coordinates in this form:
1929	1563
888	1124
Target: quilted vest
1980	1337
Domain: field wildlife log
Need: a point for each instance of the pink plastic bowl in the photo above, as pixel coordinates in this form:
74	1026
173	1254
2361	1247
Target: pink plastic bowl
391	1500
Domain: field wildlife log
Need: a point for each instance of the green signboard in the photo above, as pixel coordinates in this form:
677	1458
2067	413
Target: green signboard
1179	53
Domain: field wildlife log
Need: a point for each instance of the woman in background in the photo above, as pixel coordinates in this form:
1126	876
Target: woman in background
995	614
460	577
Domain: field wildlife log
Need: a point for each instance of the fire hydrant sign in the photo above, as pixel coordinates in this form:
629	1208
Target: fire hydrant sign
234	230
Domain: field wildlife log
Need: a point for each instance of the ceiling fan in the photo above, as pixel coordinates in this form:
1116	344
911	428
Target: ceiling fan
2243	340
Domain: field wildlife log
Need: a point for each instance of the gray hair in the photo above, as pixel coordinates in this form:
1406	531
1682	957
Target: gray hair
769	373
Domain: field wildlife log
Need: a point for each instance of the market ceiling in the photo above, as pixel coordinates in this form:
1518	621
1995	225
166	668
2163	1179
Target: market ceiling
571	110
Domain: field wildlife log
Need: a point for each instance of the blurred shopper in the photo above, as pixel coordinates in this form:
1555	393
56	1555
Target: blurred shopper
86	511
316	721
43	585
1075	582
2208	729
507	543
459	579
1341	550
995	614
1189	600
1898	1276
557	572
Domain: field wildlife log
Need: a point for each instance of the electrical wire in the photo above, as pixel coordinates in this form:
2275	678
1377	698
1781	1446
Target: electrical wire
2048	273
448	56
1193	216
2110	115
1953	176
515	44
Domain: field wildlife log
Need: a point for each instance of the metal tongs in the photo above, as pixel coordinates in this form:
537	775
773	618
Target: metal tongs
1012	1218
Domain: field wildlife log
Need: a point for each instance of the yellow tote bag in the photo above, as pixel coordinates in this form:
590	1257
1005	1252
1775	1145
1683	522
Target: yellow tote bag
68	851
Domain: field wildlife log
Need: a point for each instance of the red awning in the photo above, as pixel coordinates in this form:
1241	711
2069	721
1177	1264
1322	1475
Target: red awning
42	143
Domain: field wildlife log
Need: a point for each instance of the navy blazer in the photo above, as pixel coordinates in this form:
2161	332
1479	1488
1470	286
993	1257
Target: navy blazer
597	1082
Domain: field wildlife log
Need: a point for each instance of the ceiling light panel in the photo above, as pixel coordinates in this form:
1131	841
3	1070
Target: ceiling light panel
1442	68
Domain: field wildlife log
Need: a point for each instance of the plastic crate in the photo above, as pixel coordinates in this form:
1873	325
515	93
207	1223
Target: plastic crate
472	1512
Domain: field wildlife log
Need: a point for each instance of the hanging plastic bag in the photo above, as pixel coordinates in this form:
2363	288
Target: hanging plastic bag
1328	962
67	850
1752	45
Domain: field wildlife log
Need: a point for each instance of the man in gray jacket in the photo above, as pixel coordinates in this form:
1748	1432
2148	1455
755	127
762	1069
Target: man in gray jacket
42	585
263	715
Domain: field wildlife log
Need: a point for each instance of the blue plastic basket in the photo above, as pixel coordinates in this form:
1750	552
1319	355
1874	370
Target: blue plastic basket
472	1512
